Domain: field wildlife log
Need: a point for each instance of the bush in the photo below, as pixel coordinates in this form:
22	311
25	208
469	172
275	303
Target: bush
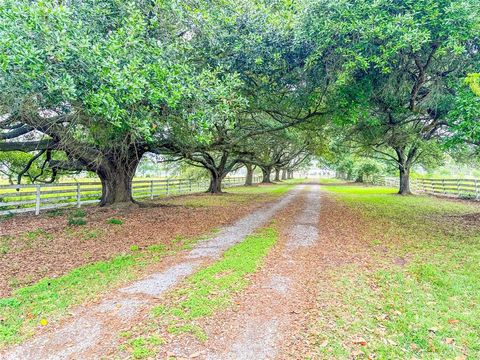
54	212
7	216
77	221
78	213
77	218
467	196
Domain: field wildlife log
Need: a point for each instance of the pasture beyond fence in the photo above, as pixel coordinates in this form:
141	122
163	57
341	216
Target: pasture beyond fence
16	199
459	188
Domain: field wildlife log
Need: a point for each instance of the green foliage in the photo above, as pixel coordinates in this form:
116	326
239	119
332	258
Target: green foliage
78	213
99	57
77	218
464	119
54	212
12	163
73	221
114	221
473	80
49	298
400	63
5	244
36	234
134	248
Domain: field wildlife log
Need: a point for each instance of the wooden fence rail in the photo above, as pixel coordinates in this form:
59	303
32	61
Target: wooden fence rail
36	197
460	188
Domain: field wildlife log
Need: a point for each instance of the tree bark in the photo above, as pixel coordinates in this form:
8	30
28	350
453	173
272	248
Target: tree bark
289	174
405	161
266	175
404	188
116	177
249	177
277	174
284	174
215	186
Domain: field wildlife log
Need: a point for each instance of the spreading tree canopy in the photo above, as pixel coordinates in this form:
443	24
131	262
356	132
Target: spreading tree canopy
94	80
400	63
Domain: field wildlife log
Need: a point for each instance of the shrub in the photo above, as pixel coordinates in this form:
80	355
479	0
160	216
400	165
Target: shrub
467	196
78	213
73	221
54	212
7	216
77	218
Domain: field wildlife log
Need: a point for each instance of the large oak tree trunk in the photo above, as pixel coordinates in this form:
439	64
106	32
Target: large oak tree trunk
289	174
284	174
249	177
277	174
116	177
404	188
266	175
405	160
215	186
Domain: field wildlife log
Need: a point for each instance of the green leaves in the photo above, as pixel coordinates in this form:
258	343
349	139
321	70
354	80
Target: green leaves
103	59
465	118
473	80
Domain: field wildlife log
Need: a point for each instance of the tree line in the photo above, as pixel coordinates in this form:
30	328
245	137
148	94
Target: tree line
91	85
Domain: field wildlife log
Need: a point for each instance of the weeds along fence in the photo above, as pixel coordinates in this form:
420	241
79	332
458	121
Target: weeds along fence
459	188
16	199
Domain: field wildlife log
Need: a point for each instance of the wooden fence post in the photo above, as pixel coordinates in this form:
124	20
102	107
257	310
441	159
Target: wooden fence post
167	190
37	199
79	197
458	187
476	190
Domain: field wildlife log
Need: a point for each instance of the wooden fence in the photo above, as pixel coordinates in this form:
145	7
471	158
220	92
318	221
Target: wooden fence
460	188
36	197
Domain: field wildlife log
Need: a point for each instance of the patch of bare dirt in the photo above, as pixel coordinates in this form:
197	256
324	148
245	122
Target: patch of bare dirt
467	220
33	247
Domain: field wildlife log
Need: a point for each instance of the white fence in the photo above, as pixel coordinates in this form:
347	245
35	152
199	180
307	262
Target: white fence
460	188
36	197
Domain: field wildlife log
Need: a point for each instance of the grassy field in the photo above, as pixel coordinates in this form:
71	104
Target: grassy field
417	294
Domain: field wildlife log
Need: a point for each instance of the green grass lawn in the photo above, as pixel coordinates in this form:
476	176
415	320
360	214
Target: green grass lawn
329	181
427	307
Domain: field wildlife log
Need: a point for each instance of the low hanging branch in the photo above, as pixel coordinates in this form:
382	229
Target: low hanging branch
29	165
